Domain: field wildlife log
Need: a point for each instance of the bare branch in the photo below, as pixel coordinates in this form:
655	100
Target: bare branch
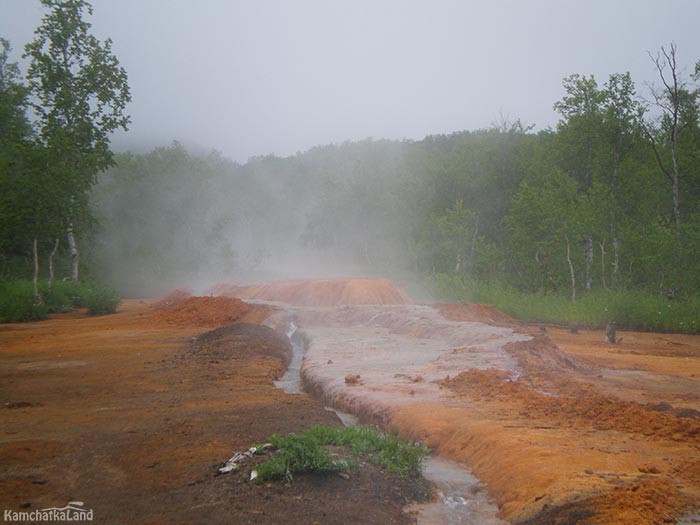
656	154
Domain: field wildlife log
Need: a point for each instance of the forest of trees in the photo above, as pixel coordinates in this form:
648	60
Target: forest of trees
75	93
609	200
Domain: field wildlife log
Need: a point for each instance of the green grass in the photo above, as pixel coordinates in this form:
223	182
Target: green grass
634	310
17	302
308	452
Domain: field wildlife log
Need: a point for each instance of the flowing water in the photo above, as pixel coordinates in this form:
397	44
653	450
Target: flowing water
290	382
462	499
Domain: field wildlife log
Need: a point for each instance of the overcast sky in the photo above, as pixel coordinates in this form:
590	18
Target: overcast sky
259	77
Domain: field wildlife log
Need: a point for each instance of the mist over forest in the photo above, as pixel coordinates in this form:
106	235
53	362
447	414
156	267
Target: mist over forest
605	201
586	206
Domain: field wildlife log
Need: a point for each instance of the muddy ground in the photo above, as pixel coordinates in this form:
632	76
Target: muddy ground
132	413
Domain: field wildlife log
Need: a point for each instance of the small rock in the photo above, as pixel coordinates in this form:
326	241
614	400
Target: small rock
352	379
39	482
588	471
648	469
25	504
329	362
661	407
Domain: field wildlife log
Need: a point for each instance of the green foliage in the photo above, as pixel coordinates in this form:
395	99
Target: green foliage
97	298
78	96
100	300
81	91
297	453
306	452
576	211
64	296
16	302
633	310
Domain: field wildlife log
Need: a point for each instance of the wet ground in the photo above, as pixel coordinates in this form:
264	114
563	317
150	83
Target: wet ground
129	415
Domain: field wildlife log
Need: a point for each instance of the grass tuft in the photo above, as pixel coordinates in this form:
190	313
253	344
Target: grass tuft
308	452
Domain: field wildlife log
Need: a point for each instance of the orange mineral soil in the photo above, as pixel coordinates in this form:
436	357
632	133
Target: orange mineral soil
132	413
560	427
321	292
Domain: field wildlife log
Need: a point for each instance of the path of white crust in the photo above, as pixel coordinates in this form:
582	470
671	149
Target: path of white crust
400	353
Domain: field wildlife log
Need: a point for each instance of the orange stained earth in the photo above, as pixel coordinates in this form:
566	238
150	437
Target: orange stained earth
131	414
319	292
589	433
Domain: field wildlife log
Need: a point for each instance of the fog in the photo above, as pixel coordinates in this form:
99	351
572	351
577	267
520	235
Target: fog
173	219
254	78
274	105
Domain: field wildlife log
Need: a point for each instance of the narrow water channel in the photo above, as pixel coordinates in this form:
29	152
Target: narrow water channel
462	499
290	382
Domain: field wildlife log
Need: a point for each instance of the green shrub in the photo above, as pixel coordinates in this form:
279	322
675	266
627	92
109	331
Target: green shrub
17	302
64	295
17	299
100	300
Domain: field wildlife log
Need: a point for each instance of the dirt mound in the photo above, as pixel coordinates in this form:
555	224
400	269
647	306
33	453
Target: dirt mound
584	408
231	342
206	312
642	501
172	299
319	292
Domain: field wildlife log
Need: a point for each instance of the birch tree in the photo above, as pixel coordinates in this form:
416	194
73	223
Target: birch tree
79	95
671	98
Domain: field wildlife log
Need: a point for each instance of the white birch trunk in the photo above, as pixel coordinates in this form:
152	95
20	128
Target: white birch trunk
74	254
616	259
589	262
571	270
35	280
602	265
52	256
